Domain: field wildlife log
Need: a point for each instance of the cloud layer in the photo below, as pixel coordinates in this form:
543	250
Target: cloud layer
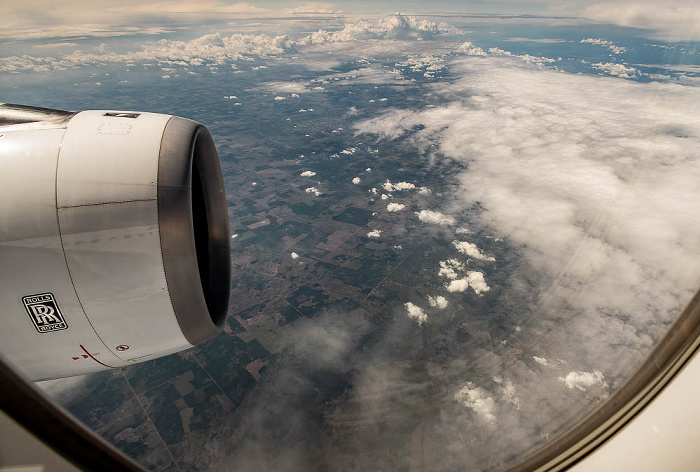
593	182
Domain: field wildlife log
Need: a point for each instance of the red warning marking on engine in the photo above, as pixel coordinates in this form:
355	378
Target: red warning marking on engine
122	347
93	357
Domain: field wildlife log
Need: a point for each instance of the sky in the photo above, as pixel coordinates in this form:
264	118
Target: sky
674	19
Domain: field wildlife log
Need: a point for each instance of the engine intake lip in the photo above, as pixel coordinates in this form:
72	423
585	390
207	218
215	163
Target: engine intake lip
194	231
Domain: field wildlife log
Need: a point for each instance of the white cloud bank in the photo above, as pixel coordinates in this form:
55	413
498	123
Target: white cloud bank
593	179
209	50
394	27
212	49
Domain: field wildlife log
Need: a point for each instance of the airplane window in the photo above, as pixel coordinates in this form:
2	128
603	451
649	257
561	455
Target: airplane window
454	232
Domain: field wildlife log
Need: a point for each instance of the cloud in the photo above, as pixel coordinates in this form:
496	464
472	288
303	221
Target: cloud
404	186
294	255
449	268
602	42
356	180
474	279
478	400
435	217
540	360
313	190
308	173
217	49
471	250
285	87
437	302
63	389
395	207
674	20
591	181
617	70
415	312
389	187
470	49
212	49
375	233
584	380
393	27
316	8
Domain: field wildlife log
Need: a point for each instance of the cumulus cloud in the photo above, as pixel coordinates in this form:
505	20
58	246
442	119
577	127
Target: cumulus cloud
308	173
415	312
395	207
375	233
470	49
437	302
294	255
389	187
356	180
478	400
394	27
605	43
449	268
584	380
474	279
404	186
313	190
212	49
617	70
435	217
471	250
540	360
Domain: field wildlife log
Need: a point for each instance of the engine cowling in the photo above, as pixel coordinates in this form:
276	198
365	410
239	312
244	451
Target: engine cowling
114	239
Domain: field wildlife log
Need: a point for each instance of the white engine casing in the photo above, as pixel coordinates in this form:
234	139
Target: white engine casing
114	239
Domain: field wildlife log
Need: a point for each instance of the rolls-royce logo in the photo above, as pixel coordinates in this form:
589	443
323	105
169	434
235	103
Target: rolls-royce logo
44	312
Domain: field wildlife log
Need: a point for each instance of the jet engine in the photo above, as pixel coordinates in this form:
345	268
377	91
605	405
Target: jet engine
114	239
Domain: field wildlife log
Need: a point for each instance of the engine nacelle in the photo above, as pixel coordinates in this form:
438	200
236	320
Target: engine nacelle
114	239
